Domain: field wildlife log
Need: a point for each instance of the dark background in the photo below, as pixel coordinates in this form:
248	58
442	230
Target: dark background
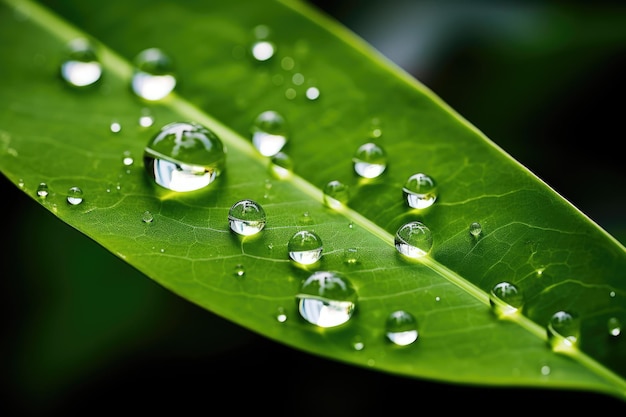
89	334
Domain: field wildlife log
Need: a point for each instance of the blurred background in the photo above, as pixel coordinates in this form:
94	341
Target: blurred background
84	332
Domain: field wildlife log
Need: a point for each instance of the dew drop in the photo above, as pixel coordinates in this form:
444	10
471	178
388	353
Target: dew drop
281	165
184	157
357	343
370	160
147	217
420	191
615	326
246	217
81	67
128	160
305	247
312	93
42	190
306	218
326	299
281	315
74	196
336	194
240	271
269	132
262	50
563	331
146	119
401	328
351	256
153	78
20	183
475	229
413	240
115	127
505	299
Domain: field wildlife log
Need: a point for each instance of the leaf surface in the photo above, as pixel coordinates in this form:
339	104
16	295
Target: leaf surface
532	237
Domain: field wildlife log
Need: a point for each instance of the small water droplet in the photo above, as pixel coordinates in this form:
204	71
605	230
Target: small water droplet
20	183
281	315
42	190
545	370
184	157
81	67
414	240
240	271
615	326
351	256
475	229
306	218
305	247
262	50
127	159
326	299
74	196
115	127
505	299
281	165
370	160
357	343
269	132
246	217
146	119
401	328
147	217
153	78
312	93
563	331
420	191
336	194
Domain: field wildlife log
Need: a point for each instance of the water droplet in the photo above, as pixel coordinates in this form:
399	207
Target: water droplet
505	299
357	343
269	132
401	328
81	67
240	271
545	370
420	191
281	165
312	93
615	326
287	63
262	50
281	315
20	183
147	217
146	119
115	127
127	160
306	218
475	229
351	256
42	190
305	247
414	240
290	93
153	78
563	331
184	157
370	160
74	196
297	78
326	299
246	217
336	194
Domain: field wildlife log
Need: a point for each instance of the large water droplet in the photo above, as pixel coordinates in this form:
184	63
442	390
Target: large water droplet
370	160
305	247
563	331
505	299
74	196
81	67
414	240
153	78
269	132
336	194
326	299
401	328
246	217
420	191
184	157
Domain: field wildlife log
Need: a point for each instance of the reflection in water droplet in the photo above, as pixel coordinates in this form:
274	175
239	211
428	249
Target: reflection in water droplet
563	331
420	191
81	67
246	217
326	299
74	196
312	93
615	326
153	78
147	217
475	229
413	240
269	132
305	247
184	157
336	194
401	328
505	299
42	190
351	256
370	160
281	165
240	271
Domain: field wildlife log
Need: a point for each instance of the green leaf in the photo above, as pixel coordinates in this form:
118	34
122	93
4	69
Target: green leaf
531	237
